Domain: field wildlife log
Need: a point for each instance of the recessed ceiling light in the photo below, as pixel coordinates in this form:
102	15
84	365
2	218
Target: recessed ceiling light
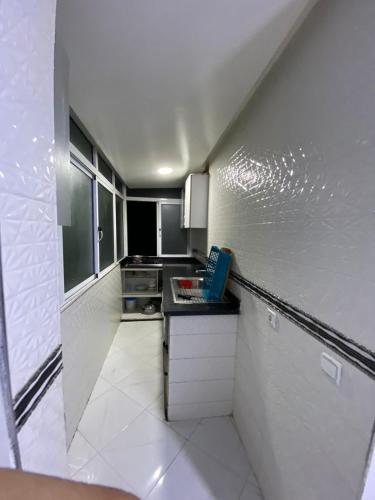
165	170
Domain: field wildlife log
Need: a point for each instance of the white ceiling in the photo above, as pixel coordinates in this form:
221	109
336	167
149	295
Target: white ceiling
156	82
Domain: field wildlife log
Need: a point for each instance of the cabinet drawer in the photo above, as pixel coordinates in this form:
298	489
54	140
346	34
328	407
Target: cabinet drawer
201	346
200	392
185	370
204	324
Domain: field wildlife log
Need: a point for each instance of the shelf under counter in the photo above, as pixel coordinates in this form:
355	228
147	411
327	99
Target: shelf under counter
148	268
141	294
139	315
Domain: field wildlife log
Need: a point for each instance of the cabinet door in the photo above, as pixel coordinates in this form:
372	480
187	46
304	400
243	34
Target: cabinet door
196	201
187	200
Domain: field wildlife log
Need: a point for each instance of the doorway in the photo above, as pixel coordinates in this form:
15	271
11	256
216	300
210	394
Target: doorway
154	228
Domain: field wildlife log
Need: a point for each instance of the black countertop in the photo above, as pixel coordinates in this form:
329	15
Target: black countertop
184	267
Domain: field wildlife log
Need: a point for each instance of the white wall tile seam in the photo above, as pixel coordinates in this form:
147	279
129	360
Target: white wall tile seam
55	353
28	219
88	326
291	193
203	402
355	429
304	424
356	357
33	405
201	380
96	279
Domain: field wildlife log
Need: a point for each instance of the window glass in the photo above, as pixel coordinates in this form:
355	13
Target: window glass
80	141
119	227
105	206
104	169
173	238
78	246
118	183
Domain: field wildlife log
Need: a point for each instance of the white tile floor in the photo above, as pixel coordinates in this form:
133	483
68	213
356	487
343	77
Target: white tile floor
123	440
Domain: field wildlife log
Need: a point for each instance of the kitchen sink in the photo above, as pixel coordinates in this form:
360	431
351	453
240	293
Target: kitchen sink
191	295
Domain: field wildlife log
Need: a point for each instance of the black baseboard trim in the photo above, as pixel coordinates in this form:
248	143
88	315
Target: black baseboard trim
28	398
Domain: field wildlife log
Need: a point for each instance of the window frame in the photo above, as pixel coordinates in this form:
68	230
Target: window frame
91	169
159	202
67	295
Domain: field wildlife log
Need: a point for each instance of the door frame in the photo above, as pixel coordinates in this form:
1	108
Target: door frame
159	202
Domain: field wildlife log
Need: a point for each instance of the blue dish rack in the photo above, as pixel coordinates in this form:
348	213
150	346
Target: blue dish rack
216	273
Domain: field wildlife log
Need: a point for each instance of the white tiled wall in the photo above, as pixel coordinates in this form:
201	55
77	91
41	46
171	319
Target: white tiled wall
49	458
6	456
88	326
28	211
291	192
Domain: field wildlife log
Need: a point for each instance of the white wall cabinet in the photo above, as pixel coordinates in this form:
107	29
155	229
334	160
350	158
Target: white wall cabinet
196	201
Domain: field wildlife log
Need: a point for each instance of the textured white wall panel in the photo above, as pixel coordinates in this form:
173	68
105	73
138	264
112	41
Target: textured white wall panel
27	184
28	215
88	326
48	457
6	455
292	192
293	188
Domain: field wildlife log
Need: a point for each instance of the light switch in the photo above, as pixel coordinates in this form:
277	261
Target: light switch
331	367
272	318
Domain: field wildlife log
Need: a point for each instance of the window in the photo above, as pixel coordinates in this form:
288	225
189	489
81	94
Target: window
120	227
104	169
118	183
106	243
173	237
96	210
78	247
80	141
154	227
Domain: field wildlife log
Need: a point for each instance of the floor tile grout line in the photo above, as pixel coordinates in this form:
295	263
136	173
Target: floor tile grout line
123	478
212	457
115	471
147	410
98	452
166	470
89	460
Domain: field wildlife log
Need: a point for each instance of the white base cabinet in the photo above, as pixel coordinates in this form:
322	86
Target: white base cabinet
199	370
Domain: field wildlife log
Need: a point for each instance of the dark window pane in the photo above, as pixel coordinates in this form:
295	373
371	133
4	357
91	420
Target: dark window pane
78	246
141	228
104	169
105	205
80	141
119	228
118	183
173	238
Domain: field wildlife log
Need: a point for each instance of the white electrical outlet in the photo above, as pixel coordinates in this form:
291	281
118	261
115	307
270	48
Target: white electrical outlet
272	318
331	367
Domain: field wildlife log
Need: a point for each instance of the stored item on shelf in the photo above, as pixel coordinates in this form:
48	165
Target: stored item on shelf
149	308
152	285
130	303
141	288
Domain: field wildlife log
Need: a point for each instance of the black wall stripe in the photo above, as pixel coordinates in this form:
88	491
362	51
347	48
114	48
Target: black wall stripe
359	355
33	391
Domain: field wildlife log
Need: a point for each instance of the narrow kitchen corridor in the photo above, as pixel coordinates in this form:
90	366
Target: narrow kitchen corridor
123	440
187	242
